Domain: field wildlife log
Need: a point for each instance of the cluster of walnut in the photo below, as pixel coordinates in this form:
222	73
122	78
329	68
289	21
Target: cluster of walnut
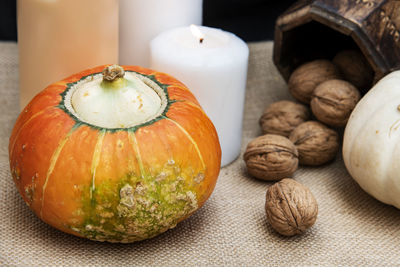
332	89
291	137
290	206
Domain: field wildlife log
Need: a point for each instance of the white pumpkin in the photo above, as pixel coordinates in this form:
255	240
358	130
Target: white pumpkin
371	146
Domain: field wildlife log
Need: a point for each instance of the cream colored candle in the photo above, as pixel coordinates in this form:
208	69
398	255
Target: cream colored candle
142	20
58	38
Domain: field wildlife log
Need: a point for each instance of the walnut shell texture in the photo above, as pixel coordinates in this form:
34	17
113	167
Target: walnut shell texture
282	117
291	207
354	68
271	157
316	143
333	101
305	78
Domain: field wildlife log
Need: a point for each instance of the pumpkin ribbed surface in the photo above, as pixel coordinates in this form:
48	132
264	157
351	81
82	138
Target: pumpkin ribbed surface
114	184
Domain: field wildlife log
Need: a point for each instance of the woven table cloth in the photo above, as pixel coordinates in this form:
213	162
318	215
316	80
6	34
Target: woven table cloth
352	229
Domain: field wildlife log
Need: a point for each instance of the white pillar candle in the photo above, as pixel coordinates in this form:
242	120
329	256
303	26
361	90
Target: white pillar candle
215	70
142	20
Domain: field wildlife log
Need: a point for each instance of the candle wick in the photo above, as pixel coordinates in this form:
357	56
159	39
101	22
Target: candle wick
201	40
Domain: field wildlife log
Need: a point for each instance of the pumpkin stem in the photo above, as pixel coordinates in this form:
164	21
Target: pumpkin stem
113	72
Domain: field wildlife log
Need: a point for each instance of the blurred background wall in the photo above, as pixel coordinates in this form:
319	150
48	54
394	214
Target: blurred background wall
251	20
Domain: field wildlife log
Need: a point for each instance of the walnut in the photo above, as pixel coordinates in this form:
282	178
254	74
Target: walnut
291	207
271	157
315	143
354	68
305	78
333	101
282	117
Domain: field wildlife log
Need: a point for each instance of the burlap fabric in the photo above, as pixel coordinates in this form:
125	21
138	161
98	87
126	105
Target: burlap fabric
231	229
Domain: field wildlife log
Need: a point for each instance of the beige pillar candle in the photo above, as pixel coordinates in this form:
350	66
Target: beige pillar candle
58	38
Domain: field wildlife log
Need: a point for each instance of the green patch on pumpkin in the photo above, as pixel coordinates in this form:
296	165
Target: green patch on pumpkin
137	208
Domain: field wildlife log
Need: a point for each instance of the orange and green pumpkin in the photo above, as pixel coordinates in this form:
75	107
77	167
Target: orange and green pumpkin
118	156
